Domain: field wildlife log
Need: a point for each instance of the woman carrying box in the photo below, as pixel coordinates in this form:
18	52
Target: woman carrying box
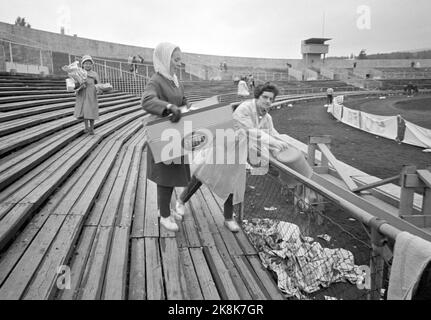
162	97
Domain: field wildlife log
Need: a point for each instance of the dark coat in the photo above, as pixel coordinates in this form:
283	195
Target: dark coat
157	95
86	105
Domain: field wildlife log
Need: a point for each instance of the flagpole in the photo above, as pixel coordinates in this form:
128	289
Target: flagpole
323	25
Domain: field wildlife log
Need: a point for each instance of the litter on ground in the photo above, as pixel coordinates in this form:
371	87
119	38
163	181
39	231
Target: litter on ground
301	265
270	208
325	237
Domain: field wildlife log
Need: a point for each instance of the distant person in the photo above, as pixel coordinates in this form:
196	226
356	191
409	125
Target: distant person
86	106
409	89
354	65
401	129
251	83
130	63
243	92
329	96
134	65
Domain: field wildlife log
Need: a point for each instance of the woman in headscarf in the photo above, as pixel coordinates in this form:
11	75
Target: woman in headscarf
163	97
86	106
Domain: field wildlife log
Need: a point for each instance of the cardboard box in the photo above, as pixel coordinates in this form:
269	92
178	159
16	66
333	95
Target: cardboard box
196	130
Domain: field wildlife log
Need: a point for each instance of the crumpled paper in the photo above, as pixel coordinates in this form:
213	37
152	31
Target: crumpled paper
73	70
104	87
302	266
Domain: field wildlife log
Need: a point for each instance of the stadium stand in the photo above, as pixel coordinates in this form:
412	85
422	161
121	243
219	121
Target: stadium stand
83	202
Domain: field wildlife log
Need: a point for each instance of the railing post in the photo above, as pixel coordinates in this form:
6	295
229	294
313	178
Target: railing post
311	159
41	58
377	263
106	75
146	69
312	146
407	192
10	52
52	62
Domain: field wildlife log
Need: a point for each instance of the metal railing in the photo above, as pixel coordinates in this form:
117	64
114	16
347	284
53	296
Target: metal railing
406	75
25	58
316	268
121	80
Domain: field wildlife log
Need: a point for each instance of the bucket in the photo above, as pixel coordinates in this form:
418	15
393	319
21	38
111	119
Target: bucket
294	159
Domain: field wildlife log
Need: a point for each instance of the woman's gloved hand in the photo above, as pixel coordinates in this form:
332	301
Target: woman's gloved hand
176	113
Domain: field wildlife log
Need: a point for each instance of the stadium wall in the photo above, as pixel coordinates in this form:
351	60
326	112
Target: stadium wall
78	46
396	63
60	43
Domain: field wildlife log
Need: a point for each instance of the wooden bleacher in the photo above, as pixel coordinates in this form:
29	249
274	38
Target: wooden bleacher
68	199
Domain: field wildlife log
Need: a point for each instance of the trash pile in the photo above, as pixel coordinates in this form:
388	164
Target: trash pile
302	265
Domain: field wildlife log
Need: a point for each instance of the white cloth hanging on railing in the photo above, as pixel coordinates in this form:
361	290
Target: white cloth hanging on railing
411	255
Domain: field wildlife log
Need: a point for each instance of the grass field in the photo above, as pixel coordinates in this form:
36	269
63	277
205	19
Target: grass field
374	155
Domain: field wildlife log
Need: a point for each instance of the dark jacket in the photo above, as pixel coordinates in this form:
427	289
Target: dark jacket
157	95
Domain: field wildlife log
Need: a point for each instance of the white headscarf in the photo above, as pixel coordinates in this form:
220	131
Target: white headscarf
162	60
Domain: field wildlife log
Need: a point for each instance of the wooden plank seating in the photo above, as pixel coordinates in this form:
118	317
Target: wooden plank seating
79	218
26	122
18	98
20	105
44	109
7	93
71	211
22	138
20	204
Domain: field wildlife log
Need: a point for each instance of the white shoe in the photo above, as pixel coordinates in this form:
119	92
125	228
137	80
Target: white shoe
169	224
176	215
232	225
180	208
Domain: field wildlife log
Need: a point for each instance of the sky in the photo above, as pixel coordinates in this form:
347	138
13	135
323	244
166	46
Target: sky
247	28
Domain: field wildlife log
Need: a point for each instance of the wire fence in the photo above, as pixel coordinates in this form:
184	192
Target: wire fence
121	80
22	58
315	252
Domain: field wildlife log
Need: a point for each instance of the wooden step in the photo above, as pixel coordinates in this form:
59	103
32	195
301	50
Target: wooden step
17	166
103	275
16	98
35	90
44	100
16	208
25	137
67	220
27	122
38	110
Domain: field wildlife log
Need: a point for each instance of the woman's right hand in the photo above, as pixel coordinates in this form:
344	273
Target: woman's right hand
176	113
281	145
